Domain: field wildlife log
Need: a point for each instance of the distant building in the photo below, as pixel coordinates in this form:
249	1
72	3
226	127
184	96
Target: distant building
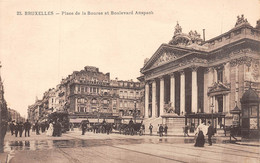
14	115
35	111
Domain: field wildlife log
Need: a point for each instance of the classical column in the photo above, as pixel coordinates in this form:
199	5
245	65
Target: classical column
194	90
154	99
161	96
206	97
215	77
227	103
182	93
172	91
146	100
224	103
210	77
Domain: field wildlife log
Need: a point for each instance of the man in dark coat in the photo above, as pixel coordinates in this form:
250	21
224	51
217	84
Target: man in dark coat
16	129
37	128
131	123
59	128
83	127
20	128
11	126
233	132
27	127
161	130
210	133
151	129
165	129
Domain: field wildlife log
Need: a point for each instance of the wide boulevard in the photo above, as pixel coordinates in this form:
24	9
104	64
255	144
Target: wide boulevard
116	148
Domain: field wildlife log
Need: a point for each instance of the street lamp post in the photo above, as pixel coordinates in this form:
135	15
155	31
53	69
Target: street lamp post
98	115
212	106
135	112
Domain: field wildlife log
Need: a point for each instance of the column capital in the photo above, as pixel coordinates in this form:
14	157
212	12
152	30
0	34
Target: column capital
194	68
172	74
181	72
207	69
147	82
161	78
220	66
152	80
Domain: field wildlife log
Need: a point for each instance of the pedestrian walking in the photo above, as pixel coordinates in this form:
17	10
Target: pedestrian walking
161	130
20	129
59	128
12	127
210	133
27	127
200	133
233	132
165	129
16	129
50	129
71	127
186	131
83	127
37	127
151	129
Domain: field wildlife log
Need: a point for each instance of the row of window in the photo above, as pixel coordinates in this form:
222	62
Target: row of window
128	93
130	104
92	109
88	89
94	101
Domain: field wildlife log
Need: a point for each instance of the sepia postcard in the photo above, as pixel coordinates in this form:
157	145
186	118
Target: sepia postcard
129	81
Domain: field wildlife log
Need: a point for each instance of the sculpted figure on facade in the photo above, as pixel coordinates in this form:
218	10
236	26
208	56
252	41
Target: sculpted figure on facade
241	20
165	57
168	108
195	37
178	29
255	71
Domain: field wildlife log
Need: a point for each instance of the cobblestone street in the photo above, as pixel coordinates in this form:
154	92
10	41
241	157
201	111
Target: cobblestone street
74	147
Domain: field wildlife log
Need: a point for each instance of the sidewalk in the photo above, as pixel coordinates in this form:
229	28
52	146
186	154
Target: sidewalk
3	157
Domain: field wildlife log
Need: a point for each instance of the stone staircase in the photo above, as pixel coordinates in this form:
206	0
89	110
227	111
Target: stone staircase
154	122
175	125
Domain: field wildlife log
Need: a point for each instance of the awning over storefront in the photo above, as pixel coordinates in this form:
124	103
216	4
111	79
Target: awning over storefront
79	120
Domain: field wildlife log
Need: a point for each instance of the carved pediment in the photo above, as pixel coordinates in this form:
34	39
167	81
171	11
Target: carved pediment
163	55
218	87
164	58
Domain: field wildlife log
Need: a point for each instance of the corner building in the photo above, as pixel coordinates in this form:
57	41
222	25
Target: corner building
91	94
195	76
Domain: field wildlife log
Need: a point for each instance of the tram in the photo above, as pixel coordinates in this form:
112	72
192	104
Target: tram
61	116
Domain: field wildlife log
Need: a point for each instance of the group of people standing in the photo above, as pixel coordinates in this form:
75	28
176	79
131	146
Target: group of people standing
160	129
54	128
18	128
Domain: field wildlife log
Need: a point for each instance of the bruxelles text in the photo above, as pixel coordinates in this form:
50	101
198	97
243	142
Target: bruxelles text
84	13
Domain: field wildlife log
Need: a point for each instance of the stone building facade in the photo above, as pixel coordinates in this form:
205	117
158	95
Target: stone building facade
197	76
14	115
89	91
91	94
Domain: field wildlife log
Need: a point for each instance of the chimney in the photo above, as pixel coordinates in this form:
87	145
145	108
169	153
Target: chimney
204	35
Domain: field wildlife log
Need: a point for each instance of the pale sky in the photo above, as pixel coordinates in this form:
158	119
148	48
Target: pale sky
36	52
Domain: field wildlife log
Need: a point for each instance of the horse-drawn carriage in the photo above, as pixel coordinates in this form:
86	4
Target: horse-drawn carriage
131	129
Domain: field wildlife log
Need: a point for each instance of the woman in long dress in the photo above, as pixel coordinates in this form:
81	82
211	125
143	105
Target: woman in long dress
201	132
50	130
